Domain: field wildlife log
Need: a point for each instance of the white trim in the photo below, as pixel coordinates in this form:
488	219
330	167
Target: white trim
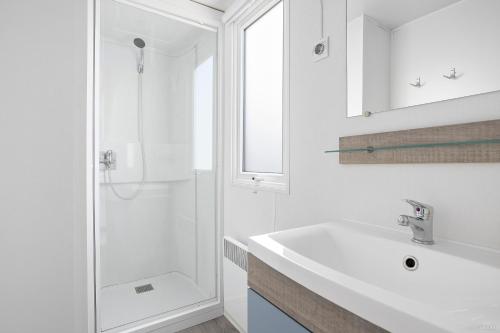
173	322
183	11
96	126
237	24
197	317
234	323
89	181
196	15
236	7
219	163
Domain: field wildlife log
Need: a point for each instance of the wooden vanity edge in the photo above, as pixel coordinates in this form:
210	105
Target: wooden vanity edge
311	310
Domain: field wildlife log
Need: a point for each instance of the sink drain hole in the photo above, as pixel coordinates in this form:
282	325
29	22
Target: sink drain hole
410	263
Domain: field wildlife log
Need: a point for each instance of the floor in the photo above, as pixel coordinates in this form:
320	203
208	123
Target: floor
121	304
217	325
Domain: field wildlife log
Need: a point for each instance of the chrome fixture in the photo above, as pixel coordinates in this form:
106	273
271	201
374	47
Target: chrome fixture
421	223
107	159
453	74
417	84
140	43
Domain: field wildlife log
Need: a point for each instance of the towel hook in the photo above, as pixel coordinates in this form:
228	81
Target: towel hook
453	74
417	84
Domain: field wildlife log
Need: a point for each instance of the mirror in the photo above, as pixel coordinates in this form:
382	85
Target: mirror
403	53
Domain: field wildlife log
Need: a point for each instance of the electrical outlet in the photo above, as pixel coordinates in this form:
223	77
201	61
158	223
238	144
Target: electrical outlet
321	49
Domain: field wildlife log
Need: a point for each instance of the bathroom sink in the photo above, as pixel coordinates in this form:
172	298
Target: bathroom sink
383	277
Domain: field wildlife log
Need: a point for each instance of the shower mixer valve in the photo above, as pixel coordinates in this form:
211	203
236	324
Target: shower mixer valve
107	160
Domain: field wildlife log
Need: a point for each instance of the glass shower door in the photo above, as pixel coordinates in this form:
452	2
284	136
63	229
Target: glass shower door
157	177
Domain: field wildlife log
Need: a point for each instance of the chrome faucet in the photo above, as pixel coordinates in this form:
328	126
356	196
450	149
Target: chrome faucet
420	223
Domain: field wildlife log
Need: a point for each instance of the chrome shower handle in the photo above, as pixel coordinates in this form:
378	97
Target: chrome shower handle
108	159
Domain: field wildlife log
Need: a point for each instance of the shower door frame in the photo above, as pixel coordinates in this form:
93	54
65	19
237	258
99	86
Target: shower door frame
196	15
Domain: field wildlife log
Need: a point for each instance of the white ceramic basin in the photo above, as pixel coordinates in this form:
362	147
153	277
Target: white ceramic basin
456	288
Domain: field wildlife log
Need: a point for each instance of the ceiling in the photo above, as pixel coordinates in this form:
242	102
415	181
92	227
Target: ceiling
221	5
122	23
394	13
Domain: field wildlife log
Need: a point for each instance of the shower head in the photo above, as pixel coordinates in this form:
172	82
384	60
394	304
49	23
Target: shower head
139	42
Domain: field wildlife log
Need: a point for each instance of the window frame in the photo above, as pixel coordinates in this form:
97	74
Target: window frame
257	180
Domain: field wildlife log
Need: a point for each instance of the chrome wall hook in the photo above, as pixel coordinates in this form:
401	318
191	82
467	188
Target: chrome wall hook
453	74
417	84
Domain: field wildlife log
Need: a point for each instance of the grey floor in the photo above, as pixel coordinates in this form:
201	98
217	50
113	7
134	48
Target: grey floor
217	325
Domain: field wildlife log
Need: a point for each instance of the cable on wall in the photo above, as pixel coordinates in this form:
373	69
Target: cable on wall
320	48
322	19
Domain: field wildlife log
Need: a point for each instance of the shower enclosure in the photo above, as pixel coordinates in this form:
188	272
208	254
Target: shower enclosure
156	187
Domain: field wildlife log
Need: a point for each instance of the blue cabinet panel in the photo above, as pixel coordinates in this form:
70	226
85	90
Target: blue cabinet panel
263	317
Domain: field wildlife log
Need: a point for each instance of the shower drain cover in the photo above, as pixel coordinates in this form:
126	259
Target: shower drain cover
144	288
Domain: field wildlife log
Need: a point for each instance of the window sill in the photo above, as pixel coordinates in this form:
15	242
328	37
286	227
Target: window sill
262	185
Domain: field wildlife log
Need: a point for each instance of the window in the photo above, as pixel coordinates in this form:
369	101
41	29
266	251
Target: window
262	94
260	141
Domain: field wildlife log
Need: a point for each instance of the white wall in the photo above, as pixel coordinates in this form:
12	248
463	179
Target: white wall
42	178
465	196
463	35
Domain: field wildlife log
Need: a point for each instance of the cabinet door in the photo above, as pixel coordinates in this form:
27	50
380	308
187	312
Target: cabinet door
263	317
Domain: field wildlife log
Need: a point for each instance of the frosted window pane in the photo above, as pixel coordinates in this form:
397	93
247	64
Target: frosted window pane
203	110
263	91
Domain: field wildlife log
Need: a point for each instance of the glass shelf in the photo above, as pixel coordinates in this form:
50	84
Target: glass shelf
371	149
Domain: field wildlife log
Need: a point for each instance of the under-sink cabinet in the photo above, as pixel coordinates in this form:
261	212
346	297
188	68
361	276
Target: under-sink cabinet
264	317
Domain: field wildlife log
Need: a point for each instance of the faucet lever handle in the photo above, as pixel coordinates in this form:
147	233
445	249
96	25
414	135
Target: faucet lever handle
420	210
414	203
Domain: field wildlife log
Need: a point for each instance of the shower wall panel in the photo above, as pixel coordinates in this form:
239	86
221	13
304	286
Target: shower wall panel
153	234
